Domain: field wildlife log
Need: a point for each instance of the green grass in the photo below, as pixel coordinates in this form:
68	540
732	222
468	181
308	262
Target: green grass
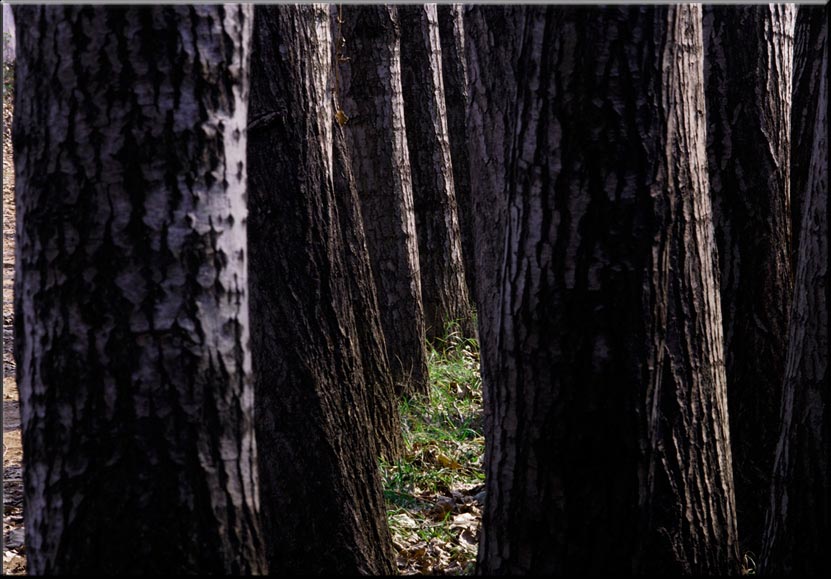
8	79
444	445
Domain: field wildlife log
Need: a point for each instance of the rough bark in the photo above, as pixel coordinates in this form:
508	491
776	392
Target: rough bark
443	288
369	90
748	76
382	401
492	36
798	522
131	307
809	39
323	510
609	445
454	76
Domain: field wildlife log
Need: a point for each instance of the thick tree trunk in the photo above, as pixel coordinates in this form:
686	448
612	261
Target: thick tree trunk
454	76
443	287
323	510
382	401
609	446
131	313
369	90
809	40
748	77
798	523
492	48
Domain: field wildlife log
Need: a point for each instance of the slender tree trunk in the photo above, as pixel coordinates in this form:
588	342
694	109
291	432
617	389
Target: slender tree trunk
369	89
609	446
798	523
443	287
809	39
748	77
131	307
454	76
323	510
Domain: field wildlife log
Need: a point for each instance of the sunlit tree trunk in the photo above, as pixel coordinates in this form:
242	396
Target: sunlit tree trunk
131	299
748	76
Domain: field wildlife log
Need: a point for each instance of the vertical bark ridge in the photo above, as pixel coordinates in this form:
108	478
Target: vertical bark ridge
322	501
454	76
608	444
492	37
748	85
443	288
370	92
798	521
382	402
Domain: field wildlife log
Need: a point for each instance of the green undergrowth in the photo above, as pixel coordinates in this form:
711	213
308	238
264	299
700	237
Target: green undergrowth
433	492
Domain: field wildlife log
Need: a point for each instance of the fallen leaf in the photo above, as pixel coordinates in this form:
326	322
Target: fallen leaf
447	462
464	521
404	520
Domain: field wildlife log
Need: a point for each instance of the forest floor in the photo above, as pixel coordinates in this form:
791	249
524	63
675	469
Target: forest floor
14	558
434	493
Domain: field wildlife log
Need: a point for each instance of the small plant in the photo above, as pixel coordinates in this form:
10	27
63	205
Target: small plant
748	563
8	80
432	487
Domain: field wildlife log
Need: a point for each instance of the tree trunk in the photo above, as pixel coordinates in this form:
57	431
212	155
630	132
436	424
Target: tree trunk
748	77
369	89
322	501
609	446
454	76
382	401
131	307
492	48
798	523
809	38
443	287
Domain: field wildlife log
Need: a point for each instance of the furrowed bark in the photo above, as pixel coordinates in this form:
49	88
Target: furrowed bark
492	40
748	77
323	510
454	76
809	42
609	446
798	521
382	402
131	306
443	288
369	86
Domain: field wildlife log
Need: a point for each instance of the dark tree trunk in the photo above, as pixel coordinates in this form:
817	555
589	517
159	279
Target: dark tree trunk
798	523
809	39
382	401
369	89
748	77
454	75
492	56
323	510
609	445
131	307
443	287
